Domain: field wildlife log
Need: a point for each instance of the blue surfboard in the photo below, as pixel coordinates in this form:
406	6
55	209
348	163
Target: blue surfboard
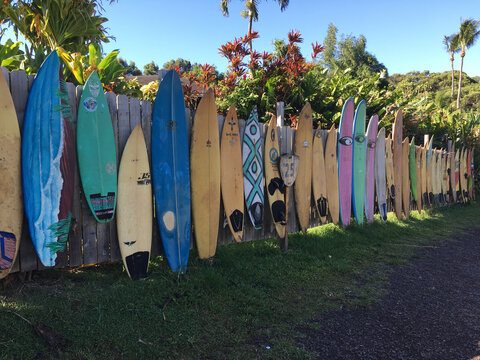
358	163
171	171
48	161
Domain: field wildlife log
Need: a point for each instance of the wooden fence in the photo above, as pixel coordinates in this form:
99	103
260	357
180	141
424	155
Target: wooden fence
90	242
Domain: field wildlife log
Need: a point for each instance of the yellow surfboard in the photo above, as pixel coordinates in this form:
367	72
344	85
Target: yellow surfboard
10	181
274	182
134	206
205	176
231	177
397	150
389	168
303	182
405	178
418	167
463	173
319	178
331	175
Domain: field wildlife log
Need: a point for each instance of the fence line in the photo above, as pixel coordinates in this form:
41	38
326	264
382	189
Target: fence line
90	242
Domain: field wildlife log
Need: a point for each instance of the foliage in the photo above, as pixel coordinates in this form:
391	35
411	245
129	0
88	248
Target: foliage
10	54
183	65
149	91
130	67
151	69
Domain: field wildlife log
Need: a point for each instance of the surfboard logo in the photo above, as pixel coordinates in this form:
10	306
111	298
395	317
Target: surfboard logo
90	104
360	138
272	135
110	167
274	156
171	125
144	179
346	140
371	144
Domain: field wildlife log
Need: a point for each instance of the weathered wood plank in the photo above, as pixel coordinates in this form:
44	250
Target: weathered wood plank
135	116
123	116
280	114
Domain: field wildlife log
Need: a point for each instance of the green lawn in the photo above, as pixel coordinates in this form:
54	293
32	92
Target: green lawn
251	297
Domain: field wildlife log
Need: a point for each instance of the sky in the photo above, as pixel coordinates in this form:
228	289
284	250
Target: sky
404	35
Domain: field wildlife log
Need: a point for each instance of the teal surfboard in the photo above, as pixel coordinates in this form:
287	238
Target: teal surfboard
97	159
358	171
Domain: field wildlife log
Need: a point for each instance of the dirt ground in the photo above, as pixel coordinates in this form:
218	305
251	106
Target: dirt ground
431	311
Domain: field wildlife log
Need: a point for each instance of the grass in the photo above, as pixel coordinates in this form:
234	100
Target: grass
252	296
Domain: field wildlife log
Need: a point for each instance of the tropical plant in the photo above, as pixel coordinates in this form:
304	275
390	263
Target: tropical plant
130	67
465	38
251	11
151	69
451	46
10	54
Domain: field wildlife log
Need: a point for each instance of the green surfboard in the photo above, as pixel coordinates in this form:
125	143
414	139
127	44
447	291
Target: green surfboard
97	158
412	168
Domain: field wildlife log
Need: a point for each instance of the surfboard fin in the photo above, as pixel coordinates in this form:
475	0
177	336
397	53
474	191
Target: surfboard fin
137	264
322	206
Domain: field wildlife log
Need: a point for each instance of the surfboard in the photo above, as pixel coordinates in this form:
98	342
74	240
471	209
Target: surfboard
472	167
433	175
331	175
97	159
457	176
205	176
397	136
444	176
469	173
344	157
171	171
48	161
429	171
463	173
424	177
253	179
134	213
412	168
303	148
448	174
405	178
319	178
371	139
380	177
418	170
10	181
274	183
231	178
359	152
389	169
453	192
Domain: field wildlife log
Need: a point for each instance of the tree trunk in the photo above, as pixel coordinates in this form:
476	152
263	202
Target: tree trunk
250	21
460	81
453	76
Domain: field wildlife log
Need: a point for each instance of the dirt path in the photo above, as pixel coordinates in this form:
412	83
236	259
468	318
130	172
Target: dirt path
432	311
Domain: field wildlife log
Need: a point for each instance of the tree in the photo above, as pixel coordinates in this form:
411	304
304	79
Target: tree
330	46
451	46
465	38
183	65
151	69
251	12
130	67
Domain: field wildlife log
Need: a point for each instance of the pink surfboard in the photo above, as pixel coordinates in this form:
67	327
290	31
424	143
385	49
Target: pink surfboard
345	150
369	168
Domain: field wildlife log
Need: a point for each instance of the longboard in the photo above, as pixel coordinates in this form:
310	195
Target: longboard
344	157
371	139
405	178
205	176
48	161
389	169
303	183
10	181
319	178
231	177
423	164
433	176
253	179
274	183
457	176
418	170
412	168
380	177
331	175
358	172
469	173
171	171
444	176
463	173
453	192
97	159
429	146
448	174
134	213
397	161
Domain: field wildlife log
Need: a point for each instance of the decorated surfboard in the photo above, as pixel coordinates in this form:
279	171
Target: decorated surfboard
463	173
358	171
389	169
253	180
345	156
97	159
418	170
397	136
405	178
205	176
370	167
171	171
380	177
453	192
412	167
48	161
274	183
423	164
469	173
331	175
319	178
448	171
303	183
457	176
231	178
10	181
134	213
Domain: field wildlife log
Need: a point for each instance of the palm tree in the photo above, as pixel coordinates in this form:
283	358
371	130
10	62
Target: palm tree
452	47
251	12
465	38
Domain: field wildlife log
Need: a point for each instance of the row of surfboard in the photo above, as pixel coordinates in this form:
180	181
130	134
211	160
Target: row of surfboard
187	184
